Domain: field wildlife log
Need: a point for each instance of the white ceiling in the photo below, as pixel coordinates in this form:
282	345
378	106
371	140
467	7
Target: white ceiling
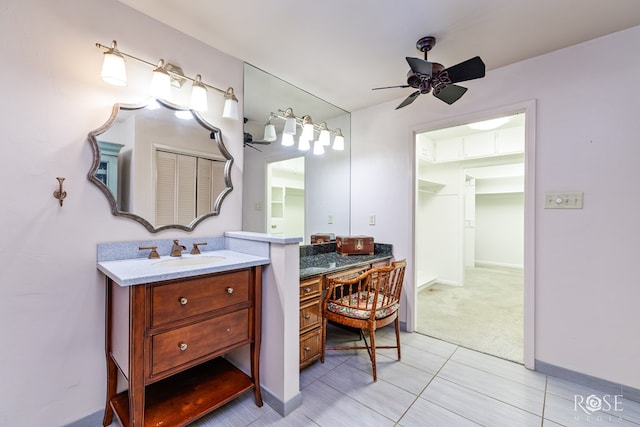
339	50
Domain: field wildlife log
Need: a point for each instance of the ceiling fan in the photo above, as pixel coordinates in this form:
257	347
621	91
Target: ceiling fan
248	139
426	76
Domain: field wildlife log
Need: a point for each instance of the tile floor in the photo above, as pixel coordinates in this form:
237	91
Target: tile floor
435	384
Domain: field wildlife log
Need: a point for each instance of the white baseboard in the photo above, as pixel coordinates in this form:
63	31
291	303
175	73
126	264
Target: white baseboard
481	263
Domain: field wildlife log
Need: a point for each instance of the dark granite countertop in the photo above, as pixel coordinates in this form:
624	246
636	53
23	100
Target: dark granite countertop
323	259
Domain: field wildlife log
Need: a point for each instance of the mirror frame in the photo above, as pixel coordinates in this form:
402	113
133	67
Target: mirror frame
216	134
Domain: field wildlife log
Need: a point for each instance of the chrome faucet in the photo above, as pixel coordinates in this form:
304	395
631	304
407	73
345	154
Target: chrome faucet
177	248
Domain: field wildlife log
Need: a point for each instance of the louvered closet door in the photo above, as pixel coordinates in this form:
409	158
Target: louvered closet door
210	184
175	188
205	205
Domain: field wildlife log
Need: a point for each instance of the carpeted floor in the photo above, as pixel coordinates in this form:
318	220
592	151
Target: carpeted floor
486	314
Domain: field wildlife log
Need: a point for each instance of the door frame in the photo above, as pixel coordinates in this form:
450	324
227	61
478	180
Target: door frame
529	108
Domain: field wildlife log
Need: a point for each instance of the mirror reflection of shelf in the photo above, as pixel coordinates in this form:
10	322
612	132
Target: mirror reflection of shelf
426	186
277	202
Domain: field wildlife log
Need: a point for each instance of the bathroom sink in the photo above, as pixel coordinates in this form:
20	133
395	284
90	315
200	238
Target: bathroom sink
183	262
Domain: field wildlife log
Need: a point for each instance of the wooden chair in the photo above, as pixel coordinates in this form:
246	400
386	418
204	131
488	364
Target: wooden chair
367	302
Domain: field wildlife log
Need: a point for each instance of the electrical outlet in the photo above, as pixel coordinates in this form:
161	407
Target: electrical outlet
372	219
330	219
563	200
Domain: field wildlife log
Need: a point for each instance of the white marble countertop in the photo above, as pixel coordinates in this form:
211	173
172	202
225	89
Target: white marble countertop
136	271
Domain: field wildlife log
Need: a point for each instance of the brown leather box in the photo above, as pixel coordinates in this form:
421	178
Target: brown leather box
354	245
321	238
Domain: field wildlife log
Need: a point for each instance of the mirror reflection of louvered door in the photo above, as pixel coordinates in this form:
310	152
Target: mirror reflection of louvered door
185	187
175	188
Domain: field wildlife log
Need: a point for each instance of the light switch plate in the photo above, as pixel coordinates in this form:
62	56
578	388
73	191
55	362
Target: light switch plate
563	200
372	219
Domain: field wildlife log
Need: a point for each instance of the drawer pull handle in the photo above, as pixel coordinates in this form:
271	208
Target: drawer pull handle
229	290
307	316
183	301
182	346
307	290
307	348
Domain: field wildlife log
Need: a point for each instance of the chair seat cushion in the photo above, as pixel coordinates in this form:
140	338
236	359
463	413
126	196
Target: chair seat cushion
358	306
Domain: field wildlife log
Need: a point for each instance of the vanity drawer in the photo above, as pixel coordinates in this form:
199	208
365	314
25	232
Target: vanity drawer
310	315
175	301
182	345
310	347
310	288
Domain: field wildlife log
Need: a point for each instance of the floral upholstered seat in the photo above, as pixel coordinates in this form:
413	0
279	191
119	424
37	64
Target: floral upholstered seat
359	305
367	302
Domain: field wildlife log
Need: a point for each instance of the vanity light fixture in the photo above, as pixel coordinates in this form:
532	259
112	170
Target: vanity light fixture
307	128
114	72
325	135
269	131
290	123
160	82
303	144
338	141
199	95
308	132
113	69
318	147
287	140
230	110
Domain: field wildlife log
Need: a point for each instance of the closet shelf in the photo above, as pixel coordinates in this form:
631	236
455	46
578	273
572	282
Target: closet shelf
429	186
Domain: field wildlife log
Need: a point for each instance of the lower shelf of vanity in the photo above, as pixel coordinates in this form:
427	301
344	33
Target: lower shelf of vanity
187	396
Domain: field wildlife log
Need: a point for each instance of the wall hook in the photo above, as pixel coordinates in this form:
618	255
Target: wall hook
59	194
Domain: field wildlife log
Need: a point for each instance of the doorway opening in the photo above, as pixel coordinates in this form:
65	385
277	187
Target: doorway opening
469	235
285	197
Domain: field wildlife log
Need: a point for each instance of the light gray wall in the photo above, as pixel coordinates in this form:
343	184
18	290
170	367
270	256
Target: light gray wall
586	287
51	295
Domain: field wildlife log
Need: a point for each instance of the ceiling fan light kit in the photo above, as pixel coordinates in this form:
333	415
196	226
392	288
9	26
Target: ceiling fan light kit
425	76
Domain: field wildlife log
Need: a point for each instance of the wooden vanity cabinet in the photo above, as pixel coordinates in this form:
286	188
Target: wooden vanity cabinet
168	340
310	310
310	320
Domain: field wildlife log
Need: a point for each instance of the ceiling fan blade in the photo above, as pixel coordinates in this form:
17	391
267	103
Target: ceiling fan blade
390	87
409	99
468	70
450	93
420	66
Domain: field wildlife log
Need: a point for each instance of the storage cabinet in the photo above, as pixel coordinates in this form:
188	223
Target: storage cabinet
167	339
310	320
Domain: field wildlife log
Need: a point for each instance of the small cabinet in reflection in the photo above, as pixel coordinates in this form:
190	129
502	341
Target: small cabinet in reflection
107	171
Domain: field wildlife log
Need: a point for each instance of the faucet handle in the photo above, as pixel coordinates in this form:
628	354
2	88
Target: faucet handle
196	249
154	252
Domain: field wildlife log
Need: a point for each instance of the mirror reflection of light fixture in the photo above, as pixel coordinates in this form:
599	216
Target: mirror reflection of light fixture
290	123
338	141
287	140
199	95
113	69
489	124
325	135
318	147
303	144
308	132
307	128
184	114
164	76
160	82
269	131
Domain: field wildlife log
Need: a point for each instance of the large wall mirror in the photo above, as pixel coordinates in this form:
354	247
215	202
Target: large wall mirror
285	190
161	165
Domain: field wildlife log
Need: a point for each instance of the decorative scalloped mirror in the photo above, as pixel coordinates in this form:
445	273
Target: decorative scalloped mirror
161	165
